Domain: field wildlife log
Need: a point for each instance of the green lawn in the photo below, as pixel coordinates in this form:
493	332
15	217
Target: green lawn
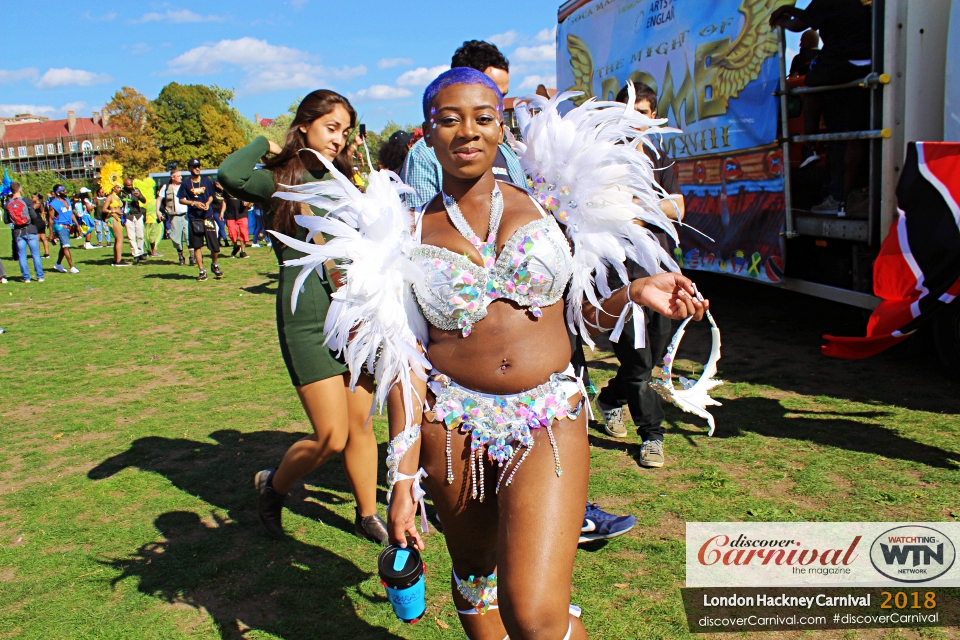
136	405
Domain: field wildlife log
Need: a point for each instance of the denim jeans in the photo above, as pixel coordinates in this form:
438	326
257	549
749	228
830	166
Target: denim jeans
24	241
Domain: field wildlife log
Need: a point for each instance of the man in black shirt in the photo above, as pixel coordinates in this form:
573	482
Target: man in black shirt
631	385
235	215
846	28
197	194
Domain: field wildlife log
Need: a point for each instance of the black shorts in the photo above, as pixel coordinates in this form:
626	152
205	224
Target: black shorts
199	233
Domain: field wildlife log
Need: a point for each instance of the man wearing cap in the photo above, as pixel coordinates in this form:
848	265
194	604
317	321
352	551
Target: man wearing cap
168	203
63	219
197	193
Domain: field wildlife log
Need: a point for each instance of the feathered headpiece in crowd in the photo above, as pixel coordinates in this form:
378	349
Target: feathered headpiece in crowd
111	175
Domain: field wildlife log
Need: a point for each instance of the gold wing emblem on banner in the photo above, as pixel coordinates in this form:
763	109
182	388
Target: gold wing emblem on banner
581	61
740	63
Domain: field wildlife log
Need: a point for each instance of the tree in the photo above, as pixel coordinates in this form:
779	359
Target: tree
185	129
136	148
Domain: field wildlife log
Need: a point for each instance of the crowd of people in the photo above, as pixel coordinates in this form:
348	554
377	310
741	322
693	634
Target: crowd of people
192	215
465	174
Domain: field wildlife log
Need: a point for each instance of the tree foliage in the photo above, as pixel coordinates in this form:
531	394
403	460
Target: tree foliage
196	121
43	182
136	149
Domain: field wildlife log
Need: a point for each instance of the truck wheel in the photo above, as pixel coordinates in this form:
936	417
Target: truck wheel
946	335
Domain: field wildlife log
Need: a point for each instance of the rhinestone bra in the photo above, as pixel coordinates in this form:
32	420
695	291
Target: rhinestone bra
532	270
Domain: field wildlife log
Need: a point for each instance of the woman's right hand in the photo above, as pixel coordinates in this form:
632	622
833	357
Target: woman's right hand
274	147
402	516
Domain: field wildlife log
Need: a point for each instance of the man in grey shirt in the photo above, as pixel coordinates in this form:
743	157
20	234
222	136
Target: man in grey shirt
169	205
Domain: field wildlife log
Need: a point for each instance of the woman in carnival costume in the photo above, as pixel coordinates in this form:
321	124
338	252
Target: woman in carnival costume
339	415
467	333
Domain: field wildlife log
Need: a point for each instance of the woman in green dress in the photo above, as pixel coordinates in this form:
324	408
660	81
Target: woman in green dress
340	417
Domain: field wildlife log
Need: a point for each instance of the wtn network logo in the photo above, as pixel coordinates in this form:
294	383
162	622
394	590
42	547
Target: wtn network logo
912	554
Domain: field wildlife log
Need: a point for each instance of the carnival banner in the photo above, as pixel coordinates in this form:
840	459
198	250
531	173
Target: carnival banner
714	67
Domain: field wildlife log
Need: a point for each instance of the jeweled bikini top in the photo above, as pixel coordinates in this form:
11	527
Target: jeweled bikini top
532	270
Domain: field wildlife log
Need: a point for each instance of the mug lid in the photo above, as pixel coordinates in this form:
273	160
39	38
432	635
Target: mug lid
399	565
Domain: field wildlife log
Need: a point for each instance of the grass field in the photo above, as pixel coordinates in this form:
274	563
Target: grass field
136	405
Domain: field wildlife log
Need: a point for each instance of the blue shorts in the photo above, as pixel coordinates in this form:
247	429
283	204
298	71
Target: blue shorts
63	235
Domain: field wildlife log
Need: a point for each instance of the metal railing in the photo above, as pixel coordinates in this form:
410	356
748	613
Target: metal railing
871	82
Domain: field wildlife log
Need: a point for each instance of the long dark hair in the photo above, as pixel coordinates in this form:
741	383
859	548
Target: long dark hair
288	168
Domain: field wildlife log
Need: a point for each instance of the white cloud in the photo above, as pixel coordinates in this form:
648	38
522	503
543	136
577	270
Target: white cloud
268	67
178	16
547	35
28	73
104	17
504	40
539	53
387	63
421	76
8	110
531	82
66	77
380	92
298	4
138	49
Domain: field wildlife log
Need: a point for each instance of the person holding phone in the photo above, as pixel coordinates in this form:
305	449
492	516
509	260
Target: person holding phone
340	417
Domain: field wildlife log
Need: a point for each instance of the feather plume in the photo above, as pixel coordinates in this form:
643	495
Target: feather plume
373	319
590	171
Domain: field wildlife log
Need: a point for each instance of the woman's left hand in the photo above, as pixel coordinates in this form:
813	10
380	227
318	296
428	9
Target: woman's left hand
669	294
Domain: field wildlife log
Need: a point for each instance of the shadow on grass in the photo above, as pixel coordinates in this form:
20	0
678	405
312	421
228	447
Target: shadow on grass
170	276
229	567
268	288
245	582
768	418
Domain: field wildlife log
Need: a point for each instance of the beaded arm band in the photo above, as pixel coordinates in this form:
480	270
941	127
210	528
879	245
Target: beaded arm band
397	448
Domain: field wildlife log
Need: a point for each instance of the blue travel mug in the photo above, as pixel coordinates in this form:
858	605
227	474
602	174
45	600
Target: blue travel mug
401	574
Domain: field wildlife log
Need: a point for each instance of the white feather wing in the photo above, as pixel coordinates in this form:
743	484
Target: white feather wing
591	173
373	319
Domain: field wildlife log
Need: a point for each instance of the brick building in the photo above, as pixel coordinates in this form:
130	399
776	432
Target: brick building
71	147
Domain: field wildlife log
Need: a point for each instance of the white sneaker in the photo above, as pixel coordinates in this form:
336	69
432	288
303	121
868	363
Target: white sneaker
59	267
74	270
829	206
255	246
612	420
87	245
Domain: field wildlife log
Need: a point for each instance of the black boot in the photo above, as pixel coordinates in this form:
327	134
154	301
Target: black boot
372	528
269	504
182	261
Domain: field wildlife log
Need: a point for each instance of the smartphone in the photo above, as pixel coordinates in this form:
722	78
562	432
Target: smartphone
363	131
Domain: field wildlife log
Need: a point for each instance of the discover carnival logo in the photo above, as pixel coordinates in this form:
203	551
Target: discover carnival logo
912	554
823	554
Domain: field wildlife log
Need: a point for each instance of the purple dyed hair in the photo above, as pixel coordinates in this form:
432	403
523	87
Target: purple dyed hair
458	75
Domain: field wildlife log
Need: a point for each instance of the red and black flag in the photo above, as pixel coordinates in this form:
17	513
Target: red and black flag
918	269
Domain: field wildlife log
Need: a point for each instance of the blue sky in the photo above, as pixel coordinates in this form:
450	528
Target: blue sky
69	55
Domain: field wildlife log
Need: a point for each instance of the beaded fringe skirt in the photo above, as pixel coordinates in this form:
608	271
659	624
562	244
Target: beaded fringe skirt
500	426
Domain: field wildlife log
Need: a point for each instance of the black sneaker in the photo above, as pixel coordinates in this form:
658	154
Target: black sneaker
182	261
136	260
202	276
193	261
269	504
372	528
243	254
216	271
120	264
